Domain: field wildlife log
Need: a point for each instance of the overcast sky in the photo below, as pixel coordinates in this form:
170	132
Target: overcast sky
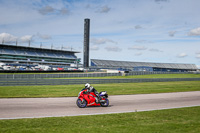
166	31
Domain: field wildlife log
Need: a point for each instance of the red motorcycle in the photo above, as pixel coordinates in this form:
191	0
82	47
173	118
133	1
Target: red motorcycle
86	98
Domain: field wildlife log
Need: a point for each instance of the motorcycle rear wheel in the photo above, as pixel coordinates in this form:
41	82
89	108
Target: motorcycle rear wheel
81	104
105	104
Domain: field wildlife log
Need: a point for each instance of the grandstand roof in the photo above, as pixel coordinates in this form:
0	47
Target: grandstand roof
36	48
23	54
128	64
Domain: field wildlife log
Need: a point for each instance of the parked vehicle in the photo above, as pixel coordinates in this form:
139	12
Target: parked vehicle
89	99
8	67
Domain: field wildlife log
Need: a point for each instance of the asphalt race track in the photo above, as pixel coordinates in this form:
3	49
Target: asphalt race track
17	108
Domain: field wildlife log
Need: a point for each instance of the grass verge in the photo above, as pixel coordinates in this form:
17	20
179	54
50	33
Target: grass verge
112	89
183	120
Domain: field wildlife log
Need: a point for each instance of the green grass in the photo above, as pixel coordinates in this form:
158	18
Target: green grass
183	120
112	89
141	76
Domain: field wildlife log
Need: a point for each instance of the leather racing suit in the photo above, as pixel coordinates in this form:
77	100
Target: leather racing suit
92	89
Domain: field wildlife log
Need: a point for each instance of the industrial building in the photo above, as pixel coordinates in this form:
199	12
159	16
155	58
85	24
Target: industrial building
13	55
142	66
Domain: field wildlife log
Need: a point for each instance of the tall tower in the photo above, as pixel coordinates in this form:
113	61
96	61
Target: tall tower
86	43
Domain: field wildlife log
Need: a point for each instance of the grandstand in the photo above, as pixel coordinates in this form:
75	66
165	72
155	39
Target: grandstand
142	66
13	55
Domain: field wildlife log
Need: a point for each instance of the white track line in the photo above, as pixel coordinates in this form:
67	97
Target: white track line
97	113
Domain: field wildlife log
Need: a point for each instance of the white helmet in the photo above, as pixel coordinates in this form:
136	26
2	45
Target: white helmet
87	85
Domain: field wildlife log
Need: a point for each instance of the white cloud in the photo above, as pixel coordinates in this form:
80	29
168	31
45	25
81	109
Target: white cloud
198	52
198	55
136	47
64	11
138	54
66	47
113	48
94	47
194	32
155	50
182	55
44	36
138	27
51	10
104	9
172	33
7	38
143	41
198	66
161	1
101	41
46	10
25	38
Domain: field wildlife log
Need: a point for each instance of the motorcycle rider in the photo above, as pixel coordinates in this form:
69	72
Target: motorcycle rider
92	89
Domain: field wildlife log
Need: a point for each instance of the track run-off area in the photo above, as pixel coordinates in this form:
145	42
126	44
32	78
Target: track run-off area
18	108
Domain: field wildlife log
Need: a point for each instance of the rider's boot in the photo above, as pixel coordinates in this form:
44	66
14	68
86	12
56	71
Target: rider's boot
97	99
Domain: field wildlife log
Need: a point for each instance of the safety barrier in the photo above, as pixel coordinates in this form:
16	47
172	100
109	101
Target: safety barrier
69	75
28	82
41	76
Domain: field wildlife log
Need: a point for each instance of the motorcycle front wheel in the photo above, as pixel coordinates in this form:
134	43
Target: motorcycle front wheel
81	104
105	104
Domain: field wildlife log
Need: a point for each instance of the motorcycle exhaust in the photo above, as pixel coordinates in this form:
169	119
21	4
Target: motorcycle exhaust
102	101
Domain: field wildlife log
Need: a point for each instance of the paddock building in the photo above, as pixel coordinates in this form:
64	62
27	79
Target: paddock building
142	66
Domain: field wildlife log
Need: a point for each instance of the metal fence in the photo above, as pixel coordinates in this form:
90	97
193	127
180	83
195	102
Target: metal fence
28	82
148	73
60	75
42	76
